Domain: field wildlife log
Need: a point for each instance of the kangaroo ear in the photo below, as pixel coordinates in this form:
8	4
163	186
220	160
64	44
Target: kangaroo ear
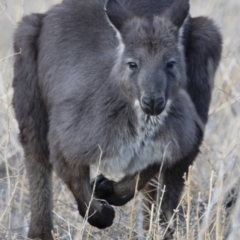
178	12
116	14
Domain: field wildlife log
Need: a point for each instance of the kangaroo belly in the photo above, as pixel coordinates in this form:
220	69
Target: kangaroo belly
135	157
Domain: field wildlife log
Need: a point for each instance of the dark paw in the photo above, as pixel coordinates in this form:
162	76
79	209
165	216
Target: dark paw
104	189
102	219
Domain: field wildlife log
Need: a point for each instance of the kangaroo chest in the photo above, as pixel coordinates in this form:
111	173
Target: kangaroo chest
150	145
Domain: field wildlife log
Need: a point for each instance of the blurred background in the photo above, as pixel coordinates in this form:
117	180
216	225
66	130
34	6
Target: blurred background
215	175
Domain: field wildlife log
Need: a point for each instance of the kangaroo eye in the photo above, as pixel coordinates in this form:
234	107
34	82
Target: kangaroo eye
132	65
170	64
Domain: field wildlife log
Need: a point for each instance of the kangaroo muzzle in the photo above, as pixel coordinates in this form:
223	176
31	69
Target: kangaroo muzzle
153	105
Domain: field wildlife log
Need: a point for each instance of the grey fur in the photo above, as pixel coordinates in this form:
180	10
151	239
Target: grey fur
74	92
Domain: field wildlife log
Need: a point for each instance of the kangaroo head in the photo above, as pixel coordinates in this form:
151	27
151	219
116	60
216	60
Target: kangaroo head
150	61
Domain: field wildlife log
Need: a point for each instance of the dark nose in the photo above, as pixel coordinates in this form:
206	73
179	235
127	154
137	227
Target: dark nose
153	106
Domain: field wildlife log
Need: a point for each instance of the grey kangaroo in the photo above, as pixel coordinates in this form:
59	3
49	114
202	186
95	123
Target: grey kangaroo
128	79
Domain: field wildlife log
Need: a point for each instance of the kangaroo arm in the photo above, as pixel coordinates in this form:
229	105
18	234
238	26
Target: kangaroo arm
119	193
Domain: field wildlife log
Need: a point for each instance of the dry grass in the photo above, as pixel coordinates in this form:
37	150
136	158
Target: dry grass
213	179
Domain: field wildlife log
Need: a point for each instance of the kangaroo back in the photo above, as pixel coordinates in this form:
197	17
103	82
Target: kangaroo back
32	119
201	33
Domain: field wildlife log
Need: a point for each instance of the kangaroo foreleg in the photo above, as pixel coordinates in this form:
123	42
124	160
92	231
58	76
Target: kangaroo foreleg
98	214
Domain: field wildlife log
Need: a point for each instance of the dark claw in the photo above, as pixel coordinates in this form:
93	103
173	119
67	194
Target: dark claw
98	180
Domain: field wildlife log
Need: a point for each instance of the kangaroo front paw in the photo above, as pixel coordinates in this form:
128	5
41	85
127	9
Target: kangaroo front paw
102	219
104	189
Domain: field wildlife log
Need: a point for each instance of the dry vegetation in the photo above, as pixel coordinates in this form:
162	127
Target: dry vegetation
213	180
